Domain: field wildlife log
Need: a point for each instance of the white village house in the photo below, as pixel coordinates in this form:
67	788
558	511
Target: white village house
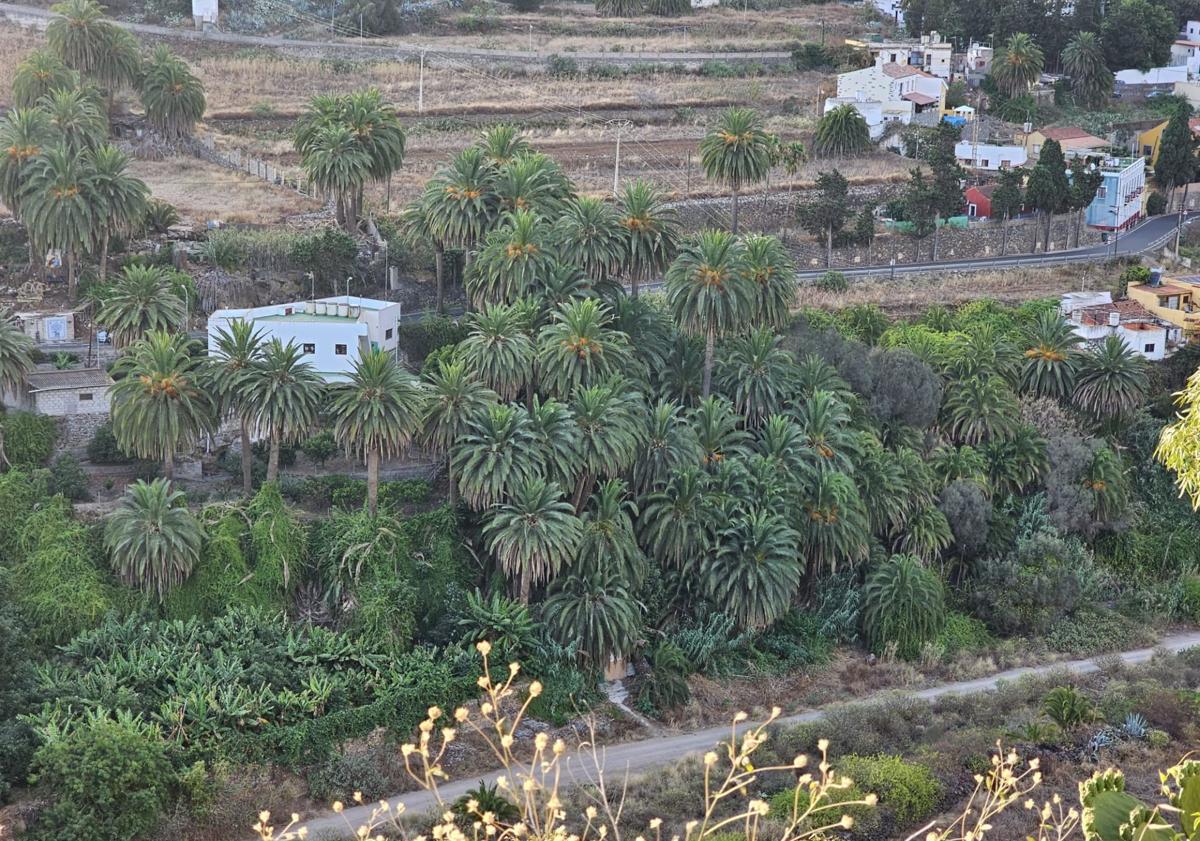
331	332
990	157
1094	316
929	53
888	93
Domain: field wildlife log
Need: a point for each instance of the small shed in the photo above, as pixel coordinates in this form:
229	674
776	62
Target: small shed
69	392
979	201
205	13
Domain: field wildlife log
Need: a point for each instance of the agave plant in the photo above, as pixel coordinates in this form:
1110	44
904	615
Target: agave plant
903	604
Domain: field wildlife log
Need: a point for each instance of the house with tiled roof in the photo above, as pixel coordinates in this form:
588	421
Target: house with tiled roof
928	53
1072	139
1094	316
889	93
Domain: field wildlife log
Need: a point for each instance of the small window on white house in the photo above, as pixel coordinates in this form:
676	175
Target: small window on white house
1148	348
310	348
340	350
387	334
984	163
85	395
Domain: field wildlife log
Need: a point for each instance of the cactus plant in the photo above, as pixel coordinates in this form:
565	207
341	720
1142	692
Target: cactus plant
1112	814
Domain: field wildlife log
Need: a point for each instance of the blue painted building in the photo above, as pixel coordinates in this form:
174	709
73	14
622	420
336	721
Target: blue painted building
1119	200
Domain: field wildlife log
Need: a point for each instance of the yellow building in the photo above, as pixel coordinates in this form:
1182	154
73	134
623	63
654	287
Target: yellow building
1172	300
1072	140
1147	142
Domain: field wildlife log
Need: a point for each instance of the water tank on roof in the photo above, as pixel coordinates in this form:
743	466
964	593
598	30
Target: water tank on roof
343	310
1156	276
322	308
1114	319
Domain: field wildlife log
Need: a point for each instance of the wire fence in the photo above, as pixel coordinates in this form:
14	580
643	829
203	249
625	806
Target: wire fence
292	178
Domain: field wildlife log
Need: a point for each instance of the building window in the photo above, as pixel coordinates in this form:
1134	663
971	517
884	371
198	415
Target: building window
310	348
1101	192
387	334
985	163
1148	348
340	350
85	395
287	310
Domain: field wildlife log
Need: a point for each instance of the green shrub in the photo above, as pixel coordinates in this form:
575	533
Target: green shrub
278	543
347	773
903	603
1156	204
1068	708
220	579
666	686
963	633
418	340
562	67
832	282
1134	276
67	478
28	438
566	692
910	790
103	448
110	780
811	57
793	802
1032	588
18	693
1095	630
395	495
329	254
320	447
795	640
224	250
385	612
504	622
1189	601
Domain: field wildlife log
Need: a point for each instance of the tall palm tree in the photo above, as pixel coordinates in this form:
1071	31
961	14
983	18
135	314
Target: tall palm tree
173	97
555	442
377	412
24	134
1111	382
463	204
1091	80
734	153
774	275
718	431
417	224
578	348
1016	463
1017	64
611	431
709	292
80	35
289	396
238	349
159	403
828	441
607	542
58	205
122	198
494	455
1051	358
338	165
153	540
757	374
498	350
979	409
834	526
588	234
41	73
456	399
378	130
513	258
756	570
533	535
596	612
670	446
141	300
500	144
533	182
676	522
121	66
76	116
651	231
16	360
842	133
926	534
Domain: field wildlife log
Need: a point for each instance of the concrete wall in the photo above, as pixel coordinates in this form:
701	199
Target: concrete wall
74	401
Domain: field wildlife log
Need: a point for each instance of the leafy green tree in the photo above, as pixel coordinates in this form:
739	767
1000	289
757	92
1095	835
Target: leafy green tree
141	300
494	456
152	538
514	257
1091	80
533	535
597	612
588	234
920	205
239	348
842	133
946	184
159	403
1051	357
1048	189
377	412
173	97
120	198
826	214
1177	163
1017	64
16	360
455	400
289	395
754	572
1008	198
1179	442
578	348
498	349
1111	382
1137	33
58	205
734	153
40	74
651	232
903	604
1085	183
708	290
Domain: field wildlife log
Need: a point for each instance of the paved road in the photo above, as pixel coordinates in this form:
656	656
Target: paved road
34	16
645	755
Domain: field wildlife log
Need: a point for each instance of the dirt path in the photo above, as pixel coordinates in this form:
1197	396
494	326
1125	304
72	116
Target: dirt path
641	756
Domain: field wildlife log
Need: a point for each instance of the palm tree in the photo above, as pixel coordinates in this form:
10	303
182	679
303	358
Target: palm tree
607	542
588	234
172	96
757	375
513	258
41	73
533	535
611	431
417	224
141	300
1091	80
500	144
58	205
80	35
1017	64
841	133
159	403
121	198
338	165
24	134
709	292
979	409
121	66
756	570
456	399
555	442
533	182
718	431
498	350
834	526
494	455
237	350
378	130
734	152
1111	382
578	348
926	534
774	274
289	395
670	446
152	538
597	613
377	412
1015	463
676	522
828	441
76	117
462	201
651	232
16	360
1052	357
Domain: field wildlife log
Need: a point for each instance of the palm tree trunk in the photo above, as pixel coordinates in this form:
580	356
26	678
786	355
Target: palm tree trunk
735	209
104	256
710	343
247	461
1004	238
372	481
583	489
439	269
526	587
936	219
829	246
71	274
1037	229
4	462
450	478
169	464
273	458
633	284
1179	224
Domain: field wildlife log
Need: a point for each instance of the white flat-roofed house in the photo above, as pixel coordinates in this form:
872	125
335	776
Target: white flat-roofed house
1094	316
888	93
990	157
331	332
929	53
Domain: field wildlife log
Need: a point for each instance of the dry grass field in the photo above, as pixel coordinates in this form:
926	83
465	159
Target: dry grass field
202	191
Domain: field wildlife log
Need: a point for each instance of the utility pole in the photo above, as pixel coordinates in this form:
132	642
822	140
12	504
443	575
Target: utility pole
332	12
360	27
689	173
421	86
617	163
531	37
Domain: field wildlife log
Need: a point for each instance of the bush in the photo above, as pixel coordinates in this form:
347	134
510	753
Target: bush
832	282
811	57
910	790
666	686
784	805
320	447
329	255
1134	276
221	580
1156	204
347	773
67	478
963	633
1095	630
1189	602
28	438
419	340
903	603
110	779
1067	707
566	691
562	67
103	448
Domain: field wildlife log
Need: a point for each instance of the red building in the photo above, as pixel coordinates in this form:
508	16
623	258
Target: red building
979	200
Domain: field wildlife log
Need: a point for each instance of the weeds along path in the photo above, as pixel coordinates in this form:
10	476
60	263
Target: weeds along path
648	754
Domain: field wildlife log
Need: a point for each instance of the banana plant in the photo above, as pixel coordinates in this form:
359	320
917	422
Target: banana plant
1110	813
